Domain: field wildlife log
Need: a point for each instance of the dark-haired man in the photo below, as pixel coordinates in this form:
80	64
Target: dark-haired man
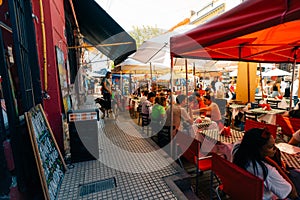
212	110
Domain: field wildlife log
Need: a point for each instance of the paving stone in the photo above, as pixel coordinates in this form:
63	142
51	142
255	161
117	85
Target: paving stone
114	134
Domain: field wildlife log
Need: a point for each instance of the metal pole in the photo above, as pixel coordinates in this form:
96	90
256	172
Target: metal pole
186	78
248	80
171	110
194	75
292	86
261	82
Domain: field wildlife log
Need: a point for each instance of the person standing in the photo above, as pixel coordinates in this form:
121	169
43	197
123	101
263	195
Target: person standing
106	92
219	89
283	85
276	88
213	83
267	88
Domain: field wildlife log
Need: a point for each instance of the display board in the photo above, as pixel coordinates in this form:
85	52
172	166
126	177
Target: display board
50	163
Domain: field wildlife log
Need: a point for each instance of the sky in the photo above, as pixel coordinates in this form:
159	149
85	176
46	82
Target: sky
156	13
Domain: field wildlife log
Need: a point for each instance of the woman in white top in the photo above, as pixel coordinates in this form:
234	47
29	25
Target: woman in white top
253	154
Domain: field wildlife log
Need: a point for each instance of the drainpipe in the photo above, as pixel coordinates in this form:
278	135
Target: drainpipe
44	48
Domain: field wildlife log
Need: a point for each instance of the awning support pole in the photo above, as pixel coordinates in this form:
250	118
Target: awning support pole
172	143
261	82
293	74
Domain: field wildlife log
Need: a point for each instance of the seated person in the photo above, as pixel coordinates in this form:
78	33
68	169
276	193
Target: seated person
181	118
295	140
196	102
295	113
148	103
158	112
144	96
256	153
212	110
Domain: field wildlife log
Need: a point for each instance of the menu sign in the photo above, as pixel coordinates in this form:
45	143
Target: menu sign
50	163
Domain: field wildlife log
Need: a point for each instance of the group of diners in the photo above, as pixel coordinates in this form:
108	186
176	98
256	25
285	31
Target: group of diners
185	109
256	152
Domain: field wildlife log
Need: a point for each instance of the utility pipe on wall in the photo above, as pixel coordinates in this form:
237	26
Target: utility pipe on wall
44	46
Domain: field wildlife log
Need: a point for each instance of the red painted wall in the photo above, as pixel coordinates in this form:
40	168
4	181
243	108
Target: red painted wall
54	28
4	18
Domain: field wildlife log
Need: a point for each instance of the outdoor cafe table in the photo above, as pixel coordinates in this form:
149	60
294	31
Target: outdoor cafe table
235	109
290	155
202	125
291	160
259	98
268	116
214	134
221	144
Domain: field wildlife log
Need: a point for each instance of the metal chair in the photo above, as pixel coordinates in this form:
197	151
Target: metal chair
145	121
237	183
139	111
273	103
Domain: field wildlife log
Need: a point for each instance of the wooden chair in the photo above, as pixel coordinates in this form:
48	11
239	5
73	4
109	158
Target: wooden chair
249	124
237	183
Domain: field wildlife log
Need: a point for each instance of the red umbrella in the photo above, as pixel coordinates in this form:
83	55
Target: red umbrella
254	31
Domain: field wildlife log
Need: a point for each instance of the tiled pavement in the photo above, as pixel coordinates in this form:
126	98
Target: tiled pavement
139	170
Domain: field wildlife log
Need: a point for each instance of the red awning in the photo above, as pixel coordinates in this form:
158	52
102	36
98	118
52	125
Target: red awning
256	30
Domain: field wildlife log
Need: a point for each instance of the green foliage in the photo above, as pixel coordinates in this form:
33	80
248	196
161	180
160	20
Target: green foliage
141	34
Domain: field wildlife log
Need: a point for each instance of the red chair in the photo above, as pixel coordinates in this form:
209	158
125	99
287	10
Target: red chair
288	125
237	183
249	124
189	148
203	163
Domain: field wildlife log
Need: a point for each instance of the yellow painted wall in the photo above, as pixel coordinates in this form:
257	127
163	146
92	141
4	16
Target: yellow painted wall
243	83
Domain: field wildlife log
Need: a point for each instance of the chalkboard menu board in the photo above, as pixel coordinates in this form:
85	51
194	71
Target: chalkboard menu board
50	163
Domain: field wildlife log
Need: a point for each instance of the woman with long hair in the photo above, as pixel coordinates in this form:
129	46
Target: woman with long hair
276	89
257	154
106	92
